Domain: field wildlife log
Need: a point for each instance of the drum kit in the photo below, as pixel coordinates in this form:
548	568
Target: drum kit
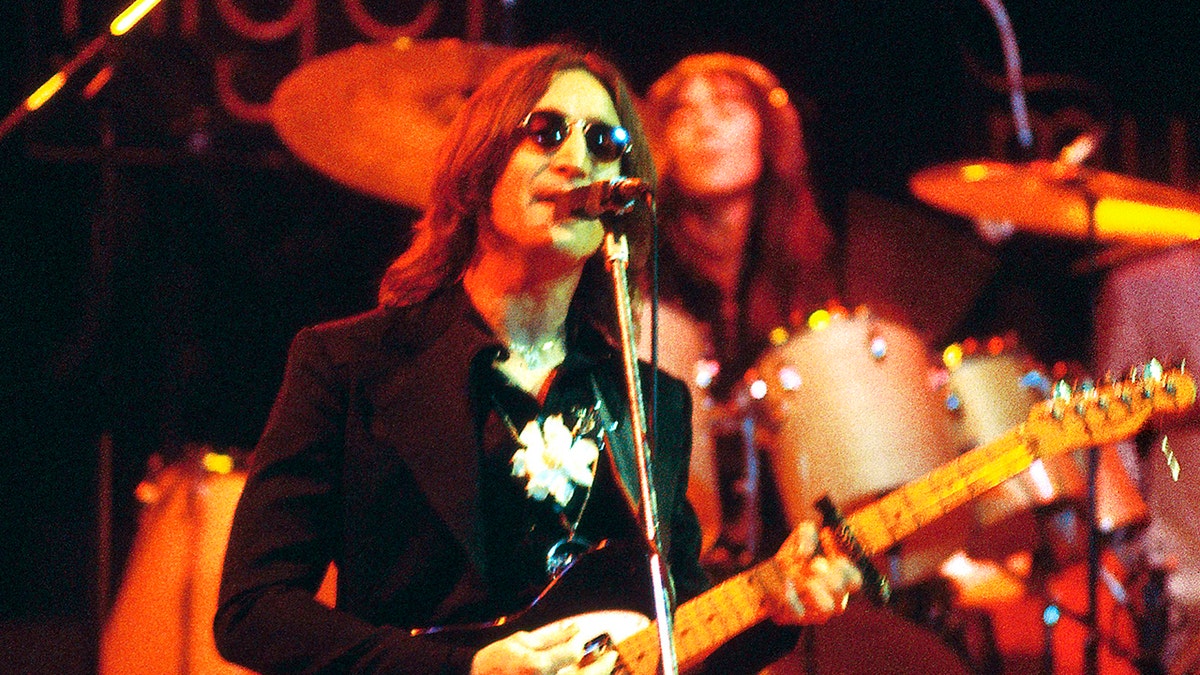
851	410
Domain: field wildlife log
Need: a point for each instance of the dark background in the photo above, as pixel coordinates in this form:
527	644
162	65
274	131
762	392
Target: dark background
149	290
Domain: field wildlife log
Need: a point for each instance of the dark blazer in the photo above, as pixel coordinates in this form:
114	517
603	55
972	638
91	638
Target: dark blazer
369	459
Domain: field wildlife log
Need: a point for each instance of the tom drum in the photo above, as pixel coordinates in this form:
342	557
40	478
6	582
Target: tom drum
992	392
850	412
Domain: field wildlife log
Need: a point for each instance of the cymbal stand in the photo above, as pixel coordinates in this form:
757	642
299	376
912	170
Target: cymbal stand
1091	644
1045	562
124	22
101	255
1012	67
616	249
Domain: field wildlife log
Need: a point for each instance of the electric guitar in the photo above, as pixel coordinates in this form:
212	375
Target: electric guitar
1070	420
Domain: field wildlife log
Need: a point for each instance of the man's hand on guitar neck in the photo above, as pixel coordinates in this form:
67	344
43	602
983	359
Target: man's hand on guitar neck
549	650
816	586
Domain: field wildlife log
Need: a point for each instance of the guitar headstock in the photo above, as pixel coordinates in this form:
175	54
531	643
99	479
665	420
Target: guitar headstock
1089	415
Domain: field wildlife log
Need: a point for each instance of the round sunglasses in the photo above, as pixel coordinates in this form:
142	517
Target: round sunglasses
549	128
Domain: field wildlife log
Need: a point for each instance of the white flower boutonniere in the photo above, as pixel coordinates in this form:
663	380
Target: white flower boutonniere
553	461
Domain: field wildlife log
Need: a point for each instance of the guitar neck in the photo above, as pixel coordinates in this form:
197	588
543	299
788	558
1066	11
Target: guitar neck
881	524
1095	415
708	621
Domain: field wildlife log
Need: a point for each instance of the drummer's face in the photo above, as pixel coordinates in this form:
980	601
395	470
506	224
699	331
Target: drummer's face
523	212
712	139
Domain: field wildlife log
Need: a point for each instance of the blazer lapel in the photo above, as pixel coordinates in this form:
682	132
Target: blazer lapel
620	444
429	419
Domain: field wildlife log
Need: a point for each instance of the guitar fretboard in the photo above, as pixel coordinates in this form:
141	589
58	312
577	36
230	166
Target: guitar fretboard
883	523
706	622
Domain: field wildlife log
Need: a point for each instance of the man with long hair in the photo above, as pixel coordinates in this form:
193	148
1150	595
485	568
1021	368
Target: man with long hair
454	450
744	252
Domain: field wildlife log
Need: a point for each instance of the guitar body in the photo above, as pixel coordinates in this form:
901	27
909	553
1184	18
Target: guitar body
606	590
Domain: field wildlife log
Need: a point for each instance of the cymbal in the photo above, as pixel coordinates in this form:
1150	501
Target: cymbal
372	116
1052	198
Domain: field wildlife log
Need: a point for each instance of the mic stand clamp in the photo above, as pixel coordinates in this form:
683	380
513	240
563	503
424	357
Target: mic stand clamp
616	249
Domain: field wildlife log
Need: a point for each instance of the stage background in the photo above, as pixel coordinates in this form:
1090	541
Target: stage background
159	247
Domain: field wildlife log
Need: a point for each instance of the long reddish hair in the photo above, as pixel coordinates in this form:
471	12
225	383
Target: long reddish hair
785	268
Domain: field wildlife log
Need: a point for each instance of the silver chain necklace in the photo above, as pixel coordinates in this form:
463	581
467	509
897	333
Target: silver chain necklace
539	355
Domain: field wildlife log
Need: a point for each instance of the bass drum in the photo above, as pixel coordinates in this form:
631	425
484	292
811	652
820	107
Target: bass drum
161	621
849	411
869	640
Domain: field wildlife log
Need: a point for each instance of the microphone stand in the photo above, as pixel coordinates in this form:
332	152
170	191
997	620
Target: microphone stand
101	262
56	82
616	251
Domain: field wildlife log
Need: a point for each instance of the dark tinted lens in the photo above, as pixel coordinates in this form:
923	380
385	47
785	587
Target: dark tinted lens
604	142
546	128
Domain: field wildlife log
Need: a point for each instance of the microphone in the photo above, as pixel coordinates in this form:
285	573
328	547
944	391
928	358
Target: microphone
616	197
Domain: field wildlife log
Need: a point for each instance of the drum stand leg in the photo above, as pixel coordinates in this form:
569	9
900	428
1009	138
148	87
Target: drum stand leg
1043	566
1044	562
1091	646
1152	625
751	489
195	485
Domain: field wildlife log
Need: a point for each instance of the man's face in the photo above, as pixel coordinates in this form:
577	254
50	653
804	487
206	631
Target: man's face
523	200
712	139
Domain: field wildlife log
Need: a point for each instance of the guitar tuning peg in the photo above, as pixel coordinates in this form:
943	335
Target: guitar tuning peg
1153	370
1087	393
1126	399
1172	461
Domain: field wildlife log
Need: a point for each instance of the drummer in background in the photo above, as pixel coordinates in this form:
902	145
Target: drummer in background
406	443
1150	308
744	251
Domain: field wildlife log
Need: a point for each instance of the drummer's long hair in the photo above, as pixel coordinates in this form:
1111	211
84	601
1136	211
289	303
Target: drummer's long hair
479	143
784	269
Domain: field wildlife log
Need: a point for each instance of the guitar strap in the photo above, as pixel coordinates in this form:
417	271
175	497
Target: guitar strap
619	441
618	438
